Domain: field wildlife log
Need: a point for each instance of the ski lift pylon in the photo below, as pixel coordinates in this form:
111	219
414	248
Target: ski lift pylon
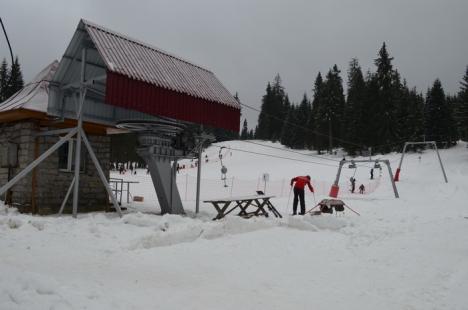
223	167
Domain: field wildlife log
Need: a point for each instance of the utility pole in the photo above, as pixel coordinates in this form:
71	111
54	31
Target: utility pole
330	138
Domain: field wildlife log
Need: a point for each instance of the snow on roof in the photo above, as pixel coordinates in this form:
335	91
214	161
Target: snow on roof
35	94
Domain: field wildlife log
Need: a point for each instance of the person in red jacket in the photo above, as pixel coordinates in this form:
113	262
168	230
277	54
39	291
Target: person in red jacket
299	183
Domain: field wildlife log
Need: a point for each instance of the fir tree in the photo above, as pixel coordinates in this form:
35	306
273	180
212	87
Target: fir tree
290	133
462	107
302	112
245	131
277	108
4	78
413	117
332	107
264	121
317	106
285	136
438	115
387	91
354	129
270	119
15	80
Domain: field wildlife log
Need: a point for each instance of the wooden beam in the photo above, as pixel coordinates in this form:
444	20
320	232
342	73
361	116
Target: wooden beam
45	121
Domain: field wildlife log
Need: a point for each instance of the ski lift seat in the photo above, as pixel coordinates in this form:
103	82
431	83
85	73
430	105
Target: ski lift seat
377	165
352	166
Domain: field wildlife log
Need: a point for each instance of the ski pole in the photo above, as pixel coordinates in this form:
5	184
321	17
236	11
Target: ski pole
315	202
289	199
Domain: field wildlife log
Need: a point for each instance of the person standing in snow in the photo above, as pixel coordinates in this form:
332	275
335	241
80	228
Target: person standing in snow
299	183
361	189
372	173
353	184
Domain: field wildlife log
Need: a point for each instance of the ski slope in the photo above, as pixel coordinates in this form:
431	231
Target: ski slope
407	253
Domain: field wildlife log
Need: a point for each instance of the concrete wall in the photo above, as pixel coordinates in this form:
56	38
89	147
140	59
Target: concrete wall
52	183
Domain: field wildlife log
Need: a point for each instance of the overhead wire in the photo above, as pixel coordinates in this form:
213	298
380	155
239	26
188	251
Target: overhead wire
280	157
296	152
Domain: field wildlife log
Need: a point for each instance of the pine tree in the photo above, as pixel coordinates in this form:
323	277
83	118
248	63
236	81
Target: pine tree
15	80
303	112
387	87
462	107
277	108
413	114
245	131
318	112
285	136
264	119
290	133
438	115
4	78
354	129
331	114
270	119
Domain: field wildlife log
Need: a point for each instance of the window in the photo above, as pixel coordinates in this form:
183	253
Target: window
66	154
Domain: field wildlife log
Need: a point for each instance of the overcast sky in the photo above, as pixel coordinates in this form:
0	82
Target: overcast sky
246	42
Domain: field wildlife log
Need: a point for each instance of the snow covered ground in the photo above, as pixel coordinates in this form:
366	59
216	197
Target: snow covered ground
407	253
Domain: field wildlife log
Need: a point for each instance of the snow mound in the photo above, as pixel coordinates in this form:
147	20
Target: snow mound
169	229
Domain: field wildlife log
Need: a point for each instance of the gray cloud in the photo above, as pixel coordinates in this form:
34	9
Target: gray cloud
245	43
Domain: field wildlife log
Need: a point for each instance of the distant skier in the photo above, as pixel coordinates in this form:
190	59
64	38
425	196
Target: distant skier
361	189
299	183
353	184
372	173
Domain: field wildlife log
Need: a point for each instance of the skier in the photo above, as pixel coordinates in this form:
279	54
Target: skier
372	173
353	184
299	183
361	189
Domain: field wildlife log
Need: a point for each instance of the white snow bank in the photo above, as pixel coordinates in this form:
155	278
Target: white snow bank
171	229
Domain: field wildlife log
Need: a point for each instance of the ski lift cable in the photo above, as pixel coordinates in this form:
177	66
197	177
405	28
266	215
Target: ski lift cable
280	157
8	42
296	152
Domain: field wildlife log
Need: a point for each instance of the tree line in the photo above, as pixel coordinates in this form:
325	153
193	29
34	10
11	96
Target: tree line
380	112
11	79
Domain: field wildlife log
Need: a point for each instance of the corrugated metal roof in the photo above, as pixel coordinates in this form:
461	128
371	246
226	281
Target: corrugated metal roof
34	95
142	62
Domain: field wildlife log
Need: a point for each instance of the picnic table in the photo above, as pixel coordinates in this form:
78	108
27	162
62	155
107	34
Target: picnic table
258	203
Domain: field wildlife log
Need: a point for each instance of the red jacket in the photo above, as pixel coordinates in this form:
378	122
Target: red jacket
301	182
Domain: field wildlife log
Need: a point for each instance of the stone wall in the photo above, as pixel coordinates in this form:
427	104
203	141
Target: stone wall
53	183
21	134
